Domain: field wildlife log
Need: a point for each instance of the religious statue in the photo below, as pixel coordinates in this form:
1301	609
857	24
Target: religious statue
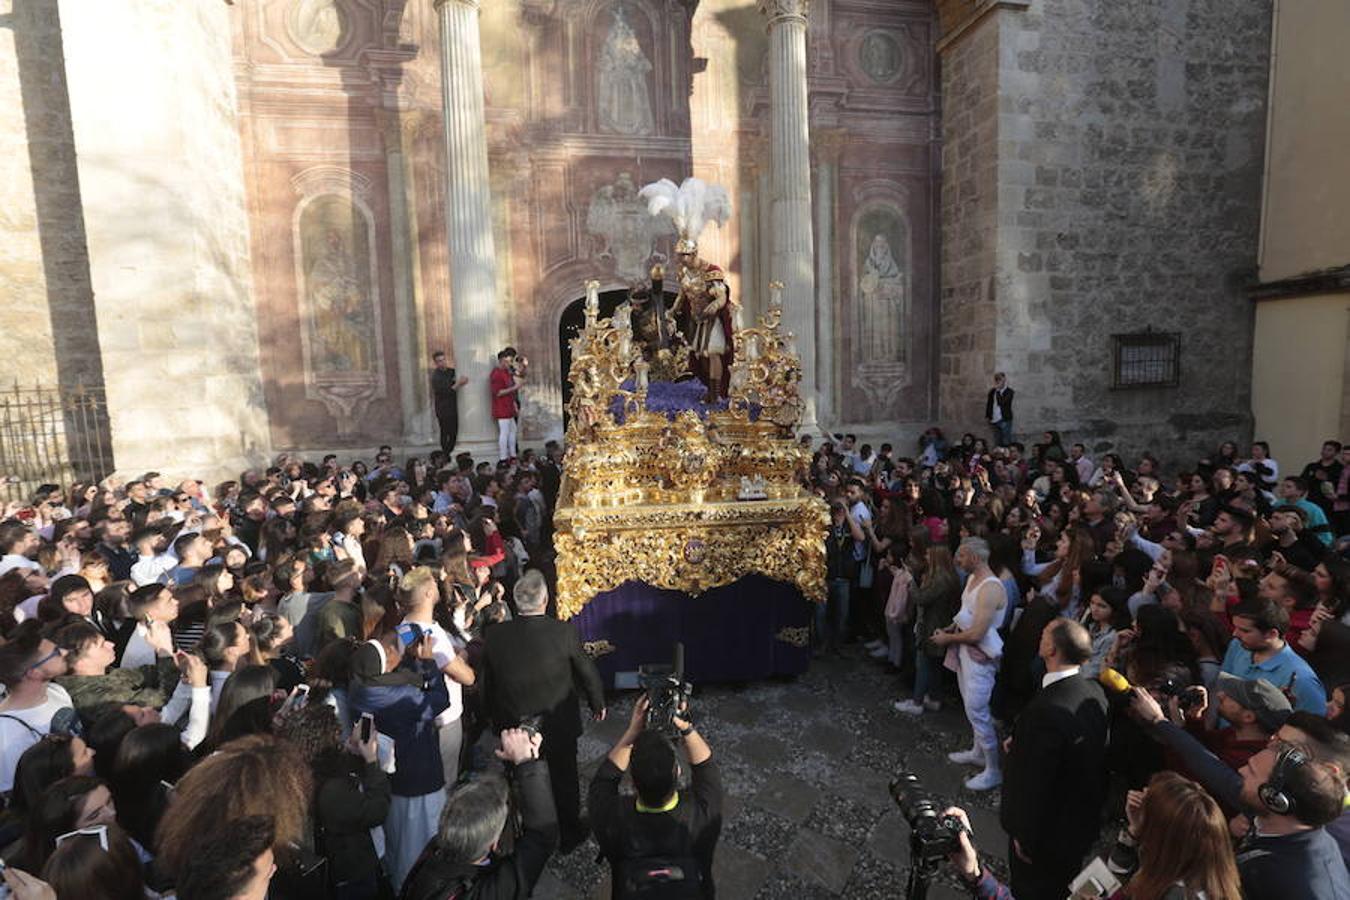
654	328
883	293
704	295
707	299
624	101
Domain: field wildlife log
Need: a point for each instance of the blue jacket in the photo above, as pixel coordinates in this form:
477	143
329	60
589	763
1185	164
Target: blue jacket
408	715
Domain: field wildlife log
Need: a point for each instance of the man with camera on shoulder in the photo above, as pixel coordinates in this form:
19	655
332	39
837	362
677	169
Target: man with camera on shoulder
660	843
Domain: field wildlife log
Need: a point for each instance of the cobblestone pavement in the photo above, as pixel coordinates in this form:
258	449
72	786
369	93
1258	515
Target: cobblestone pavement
806	763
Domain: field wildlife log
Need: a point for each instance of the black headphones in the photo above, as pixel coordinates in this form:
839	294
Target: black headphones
1272	793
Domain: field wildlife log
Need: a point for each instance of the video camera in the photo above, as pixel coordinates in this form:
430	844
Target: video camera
935	836
667	692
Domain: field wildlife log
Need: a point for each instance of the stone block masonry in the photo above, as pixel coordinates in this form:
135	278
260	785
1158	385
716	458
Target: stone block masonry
152	97
1125	195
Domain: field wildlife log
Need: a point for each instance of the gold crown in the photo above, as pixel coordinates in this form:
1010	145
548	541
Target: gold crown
686	245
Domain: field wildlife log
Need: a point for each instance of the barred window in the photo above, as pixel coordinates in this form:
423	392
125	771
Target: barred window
1146	359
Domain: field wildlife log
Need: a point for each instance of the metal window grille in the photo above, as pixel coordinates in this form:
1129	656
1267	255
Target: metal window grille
1146	359
52	435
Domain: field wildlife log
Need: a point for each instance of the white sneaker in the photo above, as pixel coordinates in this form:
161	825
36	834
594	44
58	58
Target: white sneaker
972	757
873	644
932	705
908	707
985	781
881	652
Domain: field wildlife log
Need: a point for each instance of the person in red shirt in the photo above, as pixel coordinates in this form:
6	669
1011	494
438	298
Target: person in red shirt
504	383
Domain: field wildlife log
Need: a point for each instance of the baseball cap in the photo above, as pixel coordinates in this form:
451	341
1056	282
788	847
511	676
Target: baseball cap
1264	699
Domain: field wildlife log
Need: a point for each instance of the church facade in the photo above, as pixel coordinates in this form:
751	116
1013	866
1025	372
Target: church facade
252	223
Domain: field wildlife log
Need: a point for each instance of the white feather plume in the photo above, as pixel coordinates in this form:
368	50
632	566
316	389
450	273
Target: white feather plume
691	206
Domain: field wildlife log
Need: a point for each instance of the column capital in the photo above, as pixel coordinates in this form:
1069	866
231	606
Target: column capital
780	11
472	4
829	143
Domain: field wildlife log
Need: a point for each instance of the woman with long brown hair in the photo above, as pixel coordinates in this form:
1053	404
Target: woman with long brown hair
1059	579
395	555
936	596
1181	837
257	775
1183	841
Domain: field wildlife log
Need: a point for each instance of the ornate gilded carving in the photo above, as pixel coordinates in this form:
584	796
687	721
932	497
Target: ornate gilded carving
597	649
660	500
797	637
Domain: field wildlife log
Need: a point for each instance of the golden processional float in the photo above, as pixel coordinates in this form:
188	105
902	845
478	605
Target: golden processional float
685	520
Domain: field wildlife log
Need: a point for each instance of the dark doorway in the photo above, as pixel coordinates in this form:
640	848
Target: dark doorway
570	325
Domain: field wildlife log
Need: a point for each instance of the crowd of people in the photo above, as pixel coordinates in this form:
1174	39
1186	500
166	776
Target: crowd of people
1116	632
315	681
345	680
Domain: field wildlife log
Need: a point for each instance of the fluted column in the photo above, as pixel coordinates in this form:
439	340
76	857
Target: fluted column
474	308
828	144
792	261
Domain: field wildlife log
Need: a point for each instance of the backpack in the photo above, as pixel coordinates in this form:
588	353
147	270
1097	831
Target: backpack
647	873
658	878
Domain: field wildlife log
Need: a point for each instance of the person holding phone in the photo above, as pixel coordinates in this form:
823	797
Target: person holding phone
351	796
403	690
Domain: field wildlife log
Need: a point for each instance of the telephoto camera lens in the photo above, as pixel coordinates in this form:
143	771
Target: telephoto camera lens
934	835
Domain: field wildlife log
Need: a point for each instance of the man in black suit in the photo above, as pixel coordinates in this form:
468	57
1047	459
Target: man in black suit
1054	779
998	410
532	669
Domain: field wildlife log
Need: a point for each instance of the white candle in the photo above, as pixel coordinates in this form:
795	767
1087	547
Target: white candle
775	293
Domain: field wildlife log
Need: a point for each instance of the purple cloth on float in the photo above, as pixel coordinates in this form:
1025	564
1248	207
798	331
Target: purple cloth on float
729	633
670	398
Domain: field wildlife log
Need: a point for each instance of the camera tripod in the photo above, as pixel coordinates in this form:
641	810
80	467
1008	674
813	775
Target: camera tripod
921	870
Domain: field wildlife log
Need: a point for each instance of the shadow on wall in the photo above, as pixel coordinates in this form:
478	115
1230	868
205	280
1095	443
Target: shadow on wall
40	60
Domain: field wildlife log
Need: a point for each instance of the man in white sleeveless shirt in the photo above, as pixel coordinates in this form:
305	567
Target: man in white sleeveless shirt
978	647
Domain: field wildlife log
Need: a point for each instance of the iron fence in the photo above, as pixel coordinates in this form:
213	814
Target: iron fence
51	435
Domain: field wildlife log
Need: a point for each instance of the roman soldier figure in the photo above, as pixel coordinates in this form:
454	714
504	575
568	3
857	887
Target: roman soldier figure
705	297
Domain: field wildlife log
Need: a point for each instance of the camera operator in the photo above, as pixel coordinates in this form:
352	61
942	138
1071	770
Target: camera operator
663	840
460	861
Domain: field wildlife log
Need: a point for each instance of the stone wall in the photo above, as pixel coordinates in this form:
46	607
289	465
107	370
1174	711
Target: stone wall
970	90
161	179
1128	155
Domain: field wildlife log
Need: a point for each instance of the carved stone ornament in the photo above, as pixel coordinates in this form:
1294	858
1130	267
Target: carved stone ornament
779	10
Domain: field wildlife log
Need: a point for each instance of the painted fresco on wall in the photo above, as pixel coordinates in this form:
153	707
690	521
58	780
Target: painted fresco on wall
883	263
318	26
625	231
340	308
879	57
881	339
623	84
